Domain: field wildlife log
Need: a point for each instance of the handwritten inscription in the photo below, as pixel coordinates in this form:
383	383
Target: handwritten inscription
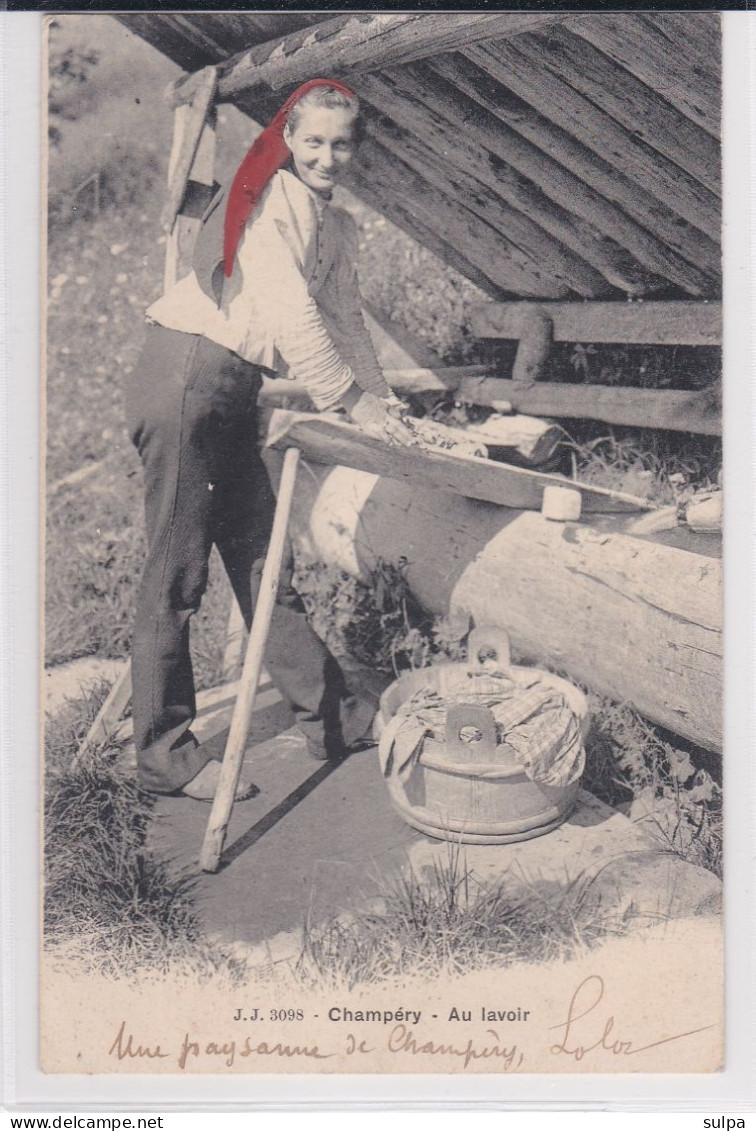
581	1037
590	1029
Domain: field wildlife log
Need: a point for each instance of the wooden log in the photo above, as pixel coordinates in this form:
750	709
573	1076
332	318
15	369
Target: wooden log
660	49
643	112
475	153
517	438
399	189
536	340
325	439
461	186
639	622
575	177
364	41
643	323
525	70
638	408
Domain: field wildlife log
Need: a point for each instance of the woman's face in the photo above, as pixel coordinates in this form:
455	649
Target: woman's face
322	145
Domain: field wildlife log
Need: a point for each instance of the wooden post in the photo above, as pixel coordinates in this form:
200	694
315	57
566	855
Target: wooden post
534	348
191	163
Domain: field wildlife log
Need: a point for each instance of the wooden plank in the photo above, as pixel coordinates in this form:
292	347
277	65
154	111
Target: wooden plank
460	186
643	112
525	70
643	323
364	41
185	151
444	147
411	221
326	440
634	620
392	183
572	175
671	409
185	229
660	49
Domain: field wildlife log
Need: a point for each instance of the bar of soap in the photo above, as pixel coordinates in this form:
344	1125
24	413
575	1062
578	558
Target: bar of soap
561	504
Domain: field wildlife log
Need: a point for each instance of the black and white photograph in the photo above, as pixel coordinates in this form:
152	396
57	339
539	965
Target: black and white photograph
383	637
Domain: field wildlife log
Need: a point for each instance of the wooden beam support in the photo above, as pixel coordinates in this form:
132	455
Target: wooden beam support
637	323
192	160
326	440
190	124
364	41
671	409
525	69
572	175
536	340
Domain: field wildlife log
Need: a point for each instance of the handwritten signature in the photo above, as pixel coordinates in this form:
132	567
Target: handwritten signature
584	1002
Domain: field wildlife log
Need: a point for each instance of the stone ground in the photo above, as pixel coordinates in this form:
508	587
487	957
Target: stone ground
319	839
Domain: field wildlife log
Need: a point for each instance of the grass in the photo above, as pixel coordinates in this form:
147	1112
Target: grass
451	923
111	905
671	788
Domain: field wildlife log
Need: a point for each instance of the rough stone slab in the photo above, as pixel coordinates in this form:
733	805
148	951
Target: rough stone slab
629	870
321	839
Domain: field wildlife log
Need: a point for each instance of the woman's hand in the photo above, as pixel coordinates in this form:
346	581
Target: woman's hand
382	418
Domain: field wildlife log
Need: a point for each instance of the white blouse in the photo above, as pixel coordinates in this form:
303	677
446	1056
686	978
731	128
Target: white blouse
292	304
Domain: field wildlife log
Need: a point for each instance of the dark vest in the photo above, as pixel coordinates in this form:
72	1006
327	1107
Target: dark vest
207	258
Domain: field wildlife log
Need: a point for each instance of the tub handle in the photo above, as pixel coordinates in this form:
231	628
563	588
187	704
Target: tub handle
470	733
491	641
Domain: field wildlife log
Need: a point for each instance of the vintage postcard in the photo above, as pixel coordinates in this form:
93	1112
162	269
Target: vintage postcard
384	507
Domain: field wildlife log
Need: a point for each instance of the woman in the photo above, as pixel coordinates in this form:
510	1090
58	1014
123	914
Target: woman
278	292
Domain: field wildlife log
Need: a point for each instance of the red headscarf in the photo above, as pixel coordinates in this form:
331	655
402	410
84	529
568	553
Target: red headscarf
264	158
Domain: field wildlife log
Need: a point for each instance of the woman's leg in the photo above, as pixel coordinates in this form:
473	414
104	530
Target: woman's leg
300	665
176	406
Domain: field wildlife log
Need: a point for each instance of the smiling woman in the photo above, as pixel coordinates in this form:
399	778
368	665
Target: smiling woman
286	301
322	133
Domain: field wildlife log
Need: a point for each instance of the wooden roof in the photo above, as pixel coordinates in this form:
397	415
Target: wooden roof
550	156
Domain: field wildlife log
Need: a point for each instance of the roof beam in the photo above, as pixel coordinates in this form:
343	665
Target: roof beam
525	69
405	197
445	135
362	41
661	50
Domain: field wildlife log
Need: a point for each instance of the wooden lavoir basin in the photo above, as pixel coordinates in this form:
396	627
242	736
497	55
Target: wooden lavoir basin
467	790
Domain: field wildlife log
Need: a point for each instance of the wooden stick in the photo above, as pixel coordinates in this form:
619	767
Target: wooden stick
220	814
108	715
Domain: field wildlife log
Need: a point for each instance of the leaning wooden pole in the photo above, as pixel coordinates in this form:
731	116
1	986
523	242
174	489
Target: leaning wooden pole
233	757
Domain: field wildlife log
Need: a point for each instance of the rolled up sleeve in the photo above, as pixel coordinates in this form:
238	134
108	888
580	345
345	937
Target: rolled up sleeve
283	301
358	349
